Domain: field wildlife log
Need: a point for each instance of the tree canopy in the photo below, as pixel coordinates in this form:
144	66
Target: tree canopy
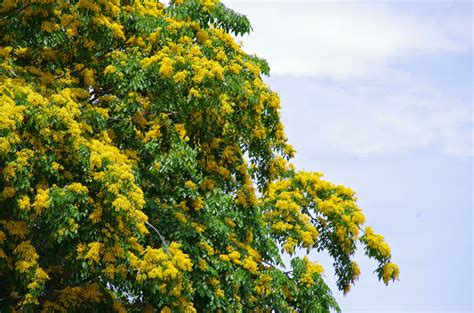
144	167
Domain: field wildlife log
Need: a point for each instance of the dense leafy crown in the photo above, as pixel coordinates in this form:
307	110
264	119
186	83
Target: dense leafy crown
143	166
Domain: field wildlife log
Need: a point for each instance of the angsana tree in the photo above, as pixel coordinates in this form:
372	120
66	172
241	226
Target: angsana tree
144	166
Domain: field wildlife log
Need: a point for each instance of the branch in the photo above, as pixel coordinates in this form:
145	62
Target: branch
114	119
13	73
269	264
160	235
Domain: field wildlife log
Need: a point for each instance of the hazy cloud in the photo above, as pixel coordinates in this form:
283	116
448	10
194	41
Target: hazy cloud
361	78
372	118
340	39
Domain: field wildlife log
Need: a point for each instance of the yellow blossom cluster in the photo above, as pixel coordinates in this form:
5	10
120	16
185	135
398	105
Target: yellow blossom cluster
27	265
77	188
263	285
166	269
74	298
312	268
390	271
376	242
41	200
286	218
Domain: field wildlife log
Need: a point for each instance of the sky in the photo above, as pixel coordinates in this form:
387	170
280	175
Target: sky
378	96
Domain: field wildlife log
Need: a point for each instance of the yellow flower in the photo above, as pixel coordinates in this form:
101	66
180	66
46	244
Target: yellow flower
71	32
355	270
77	188
202	264
229	222
194	93
358	218
93	254
49	27
96	215
180	77
206	246
8	192
119	307
234	256
390	271
156	273
384	250
181	217
41	275
376	242
202	36
189	184
5	51
219	293
199	228
308	238
166	67
312	268
250	265
109	69
30	299
165	310
41	200
89	5
23	266
24	203
289	245
2	236
88	76
21	51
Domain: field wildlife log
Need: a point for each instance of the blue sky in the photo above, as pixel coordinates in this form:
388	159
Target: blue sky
378	96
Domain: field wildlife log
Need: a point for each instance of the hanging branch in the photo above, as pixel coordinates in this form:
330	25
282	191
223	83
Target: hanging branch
160	235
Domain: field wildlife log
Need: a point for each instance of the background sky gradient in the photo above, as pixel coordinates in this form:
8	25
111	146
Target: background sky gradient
378	96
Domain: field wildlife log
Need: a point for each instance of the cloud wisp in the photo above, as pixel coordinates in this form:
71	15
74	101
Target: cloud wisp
346	39
366	120
367	74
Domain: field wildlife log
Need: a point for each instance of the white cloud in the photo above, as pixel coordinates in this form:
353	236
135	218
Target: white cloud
366	119
344	39
336	66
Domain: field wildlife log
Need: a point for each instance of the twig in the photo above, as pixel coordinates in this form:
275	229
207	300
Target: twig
269	264
160	235
13	72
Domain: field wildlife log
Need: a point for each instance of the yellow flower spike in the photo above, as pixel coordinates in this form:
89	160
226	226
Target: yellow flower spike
180	77
198	203
8	192
219	293
234	256
94	252
355	270
166	67
166	310
41	200
390	271
202	264
109	70
77	188
250	265
290	245
311	269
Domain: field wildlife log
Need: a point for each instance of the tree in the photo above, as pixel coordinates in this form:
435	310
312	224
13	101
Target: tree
144	166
